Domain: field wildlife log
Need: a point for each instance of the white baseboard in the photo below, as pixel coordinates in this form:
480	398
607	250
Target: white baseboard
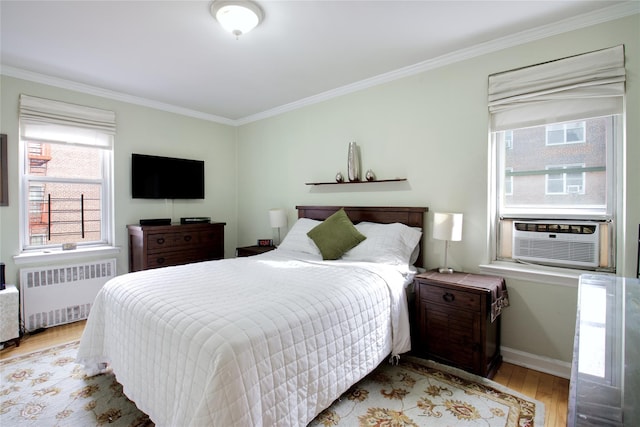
538	363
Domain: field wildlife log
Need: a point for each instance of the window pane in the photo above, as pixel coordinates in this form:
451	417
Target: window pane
63	161
508	181
62	212
555	183
575	132
575	182
533	164
555	136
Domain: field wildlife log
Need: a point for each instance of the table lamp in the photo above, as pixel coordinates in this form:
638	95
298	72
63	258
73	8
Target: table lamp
277	219
447	227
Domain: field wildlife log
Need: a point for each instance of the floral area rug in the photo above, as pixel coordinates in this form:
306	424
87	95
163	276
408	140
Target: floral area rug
47	388
420	392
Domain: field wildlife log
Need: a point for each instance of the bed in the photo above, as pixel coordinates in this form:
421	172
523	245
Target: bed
268	340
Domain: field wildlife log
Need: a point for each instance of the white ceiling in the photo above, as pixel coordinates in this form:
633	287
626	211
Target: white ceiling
174	53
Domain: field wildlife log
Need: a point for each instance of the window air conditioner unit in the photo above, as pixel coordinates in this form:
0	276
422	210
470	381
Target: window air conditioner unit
571	244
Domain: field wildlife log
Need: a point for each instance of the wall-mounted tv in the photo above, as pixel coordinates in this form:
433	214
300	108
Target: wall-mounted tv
155	177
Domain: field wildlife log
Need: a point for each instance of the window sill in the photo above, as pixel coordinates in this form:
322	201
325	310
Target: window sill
33	257
535	273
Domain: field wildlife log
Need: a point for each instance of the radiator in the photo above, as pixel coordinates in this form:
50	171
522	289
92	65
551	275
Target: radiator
55	295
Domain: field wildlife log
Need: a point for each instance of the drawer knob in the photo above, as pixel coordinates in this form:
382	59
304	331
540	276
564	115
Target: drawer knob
187	238
448	297
160	240
160	260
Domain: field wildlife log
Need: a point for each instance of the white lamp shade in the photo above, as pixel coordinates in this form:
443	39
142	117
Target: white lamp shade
447	226
277	218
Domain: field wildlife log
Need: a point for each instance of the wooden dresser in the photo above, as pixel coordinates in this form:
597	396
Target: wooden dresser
152	246
454	320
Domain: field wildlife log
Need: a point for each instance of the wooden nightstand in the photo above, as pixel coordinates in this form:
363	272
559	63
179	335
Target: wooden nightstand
454	320
253	250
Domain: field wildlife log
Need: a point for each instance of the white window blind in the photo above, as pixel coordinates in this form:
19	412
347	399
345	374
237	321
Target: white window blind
48	120
586	85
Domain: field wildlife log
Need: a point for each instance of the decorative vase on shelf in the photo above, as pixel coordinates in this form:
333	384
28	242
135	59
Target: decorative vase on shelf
353	164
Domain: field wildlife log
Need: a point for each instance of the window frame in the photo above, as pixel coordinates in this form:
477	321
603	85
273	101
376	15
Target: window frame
106	194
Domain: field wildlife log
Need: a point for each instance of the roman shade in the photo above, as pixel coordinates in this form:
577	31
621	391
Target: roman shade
47	120
577	87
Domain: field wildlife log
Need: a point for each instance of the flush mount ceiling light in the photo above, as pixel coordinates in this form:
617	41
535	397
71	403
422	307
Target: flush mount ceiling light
237	17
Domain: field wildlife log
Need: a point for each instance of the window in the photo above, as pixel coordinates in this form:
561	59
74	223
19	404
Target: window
567	180
556	133
66	174
566	133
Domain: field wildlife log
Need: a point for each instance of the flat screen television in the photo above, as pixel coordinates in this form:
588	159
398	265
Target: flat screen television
155	177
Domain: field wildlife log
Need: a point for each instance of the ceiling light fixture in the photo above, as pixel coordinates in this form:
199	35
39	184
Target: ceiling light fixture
237	17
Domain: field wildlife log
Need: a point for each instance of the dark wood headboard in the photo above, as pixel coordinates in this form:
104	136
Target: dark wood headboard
411	216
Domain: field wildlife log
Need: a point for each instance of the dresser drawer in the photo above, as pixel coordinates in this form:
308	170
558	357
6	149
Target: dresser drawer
453	298
211	237
166	258
172	240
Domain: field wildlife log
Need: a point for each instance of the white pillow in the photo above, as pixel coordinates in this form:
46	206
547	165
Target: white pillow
395	244
297	240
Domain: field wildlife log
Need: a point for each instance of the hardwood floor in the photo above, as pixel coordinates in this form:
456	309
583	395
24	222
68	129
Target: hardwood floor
48	338
550	390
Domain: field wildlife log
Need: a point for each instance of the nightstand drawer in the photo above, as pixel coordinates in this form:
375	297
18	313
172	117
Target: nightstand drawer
450	297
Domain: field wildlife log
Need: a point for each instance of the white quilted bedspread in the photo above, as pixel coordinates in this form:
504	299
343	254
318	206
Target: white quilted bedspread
259	341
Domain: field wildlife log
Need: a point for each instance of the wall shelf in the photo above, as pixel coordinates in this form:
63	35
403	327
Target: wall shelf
356	182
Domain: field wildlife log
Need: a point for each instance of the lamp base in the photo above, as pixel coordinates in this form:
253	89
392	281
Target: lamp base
445	270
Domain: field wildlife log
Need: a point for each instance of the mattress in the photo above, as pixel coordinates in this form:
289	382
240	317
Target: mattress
269	340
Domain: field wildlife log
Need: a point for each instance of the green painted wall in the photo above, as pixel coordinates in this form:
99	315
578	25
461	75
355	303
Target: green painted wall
432	129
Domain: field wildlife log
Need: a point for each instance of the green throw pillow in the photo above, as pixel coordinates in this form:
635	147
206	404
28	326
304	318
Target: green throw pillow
335	235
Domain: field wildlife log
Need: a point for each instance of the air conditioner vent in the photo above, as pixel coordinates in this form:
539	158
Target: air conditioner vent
573	244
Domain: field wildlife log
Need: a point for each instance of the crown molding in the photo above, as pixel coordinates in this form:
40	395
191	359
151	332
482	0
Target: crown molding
109	94
618	11
566	25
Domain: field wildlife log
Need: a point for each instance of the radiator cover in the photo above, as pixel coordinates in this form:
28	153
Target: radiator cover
55	295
